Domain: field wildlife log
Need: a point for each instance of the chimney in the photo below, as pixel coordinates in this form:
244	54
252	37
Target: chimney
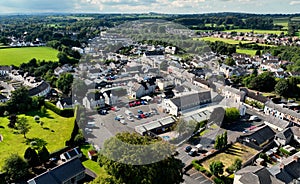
296	158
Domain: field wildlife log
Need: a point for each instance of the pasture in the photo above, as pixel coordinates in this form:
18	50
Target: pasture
55	131
229	41
17	56
257	31
246	51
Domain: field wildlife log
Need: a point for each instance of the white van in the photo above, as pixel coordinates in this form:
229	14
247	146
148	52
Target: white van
90	124
199	147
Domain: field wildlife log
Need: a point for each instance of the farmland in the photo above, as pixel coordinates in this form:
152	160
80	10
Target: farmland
257	31
17	56
229	41
55	131
246	51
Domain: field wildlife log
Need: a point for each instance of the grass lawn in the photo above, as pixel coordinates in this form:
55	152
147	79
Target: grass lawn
229	41
246	51
236	151
257	31
17	56
55	131
90	164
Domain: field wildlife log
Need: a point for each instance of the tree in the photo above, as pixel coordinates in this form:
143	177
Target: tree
31	157
258	53
79	138
15	168
225	139
217	144
216	168
237	164
23	126
64	82
12	120
44	154
282	87
229	61
231	114
20	101
137	149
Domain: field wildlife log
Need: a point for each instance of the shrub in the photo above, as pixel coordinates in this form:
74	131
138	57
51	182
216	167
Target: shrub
62	112
285	152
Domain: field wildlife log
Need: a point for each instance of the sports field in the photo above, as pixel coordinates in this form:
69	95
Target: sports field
17	56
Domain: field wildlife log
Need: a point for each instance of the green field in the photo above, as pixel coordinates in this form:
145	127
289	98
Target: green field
55	131
246	51
229	41
17	56
257	31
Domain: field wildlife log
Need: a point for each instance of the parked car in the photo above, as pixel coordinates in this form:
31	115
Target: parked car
193	152
143	116
147	114
188	148
119	117
245	131
128	113
122	121
144	102
130	118
254	118
140	111
103	112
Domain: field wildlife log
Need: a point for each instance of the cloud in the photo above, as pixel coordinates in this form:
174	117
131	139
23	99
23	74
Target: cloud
294	2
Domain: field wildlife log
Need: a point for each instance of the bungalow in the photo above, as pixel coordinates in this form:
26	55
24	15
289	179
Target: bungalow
177	105
71	154
69	172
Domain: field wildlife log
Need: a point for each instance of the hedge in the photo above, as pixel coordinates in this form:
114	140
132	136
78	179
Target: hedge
285	152
62	112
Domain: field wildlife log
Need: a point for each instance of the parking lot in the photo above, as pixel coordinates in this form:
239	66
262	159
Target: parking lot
107	126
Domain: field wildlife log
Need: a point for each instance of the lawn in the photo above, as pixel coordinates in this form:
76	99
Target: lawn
90	164
229	41
246	51
55	131
17	56
236	151
257	31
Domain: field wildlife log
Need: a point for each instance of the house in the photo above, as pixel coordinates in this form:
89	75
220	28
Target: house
201	83
144	88
258	137
296	133
71	154
284	137
70	172
234	94
3	98
280	112
288	171
92	154
177	105
94	100
277	124
255	175
254	96
4	70
64	69
42	89
64	103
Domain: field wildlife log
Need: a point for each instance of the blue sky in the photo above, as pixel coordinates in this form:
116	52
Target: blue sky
144	6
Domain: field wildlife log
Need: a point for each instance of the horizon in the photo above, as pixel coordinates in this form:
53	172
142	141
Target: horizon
146	6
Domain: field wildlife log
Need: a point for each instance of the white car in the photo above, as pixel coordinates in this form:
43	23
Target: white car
253	118
123	121
130	118
120	117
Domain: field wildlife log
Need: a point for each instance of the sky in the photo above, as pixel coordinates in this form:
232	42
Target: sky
145	6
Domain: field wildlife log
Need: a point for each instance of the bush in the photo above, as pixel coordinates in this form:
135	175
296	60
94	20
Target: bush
62	112
285	152
218	180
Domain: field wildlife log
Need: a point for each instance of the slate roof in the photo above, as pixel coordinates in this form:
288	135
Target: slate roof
60	173
257	175
40	88
285	134
192	98
261	135
2	97
254	95
282	109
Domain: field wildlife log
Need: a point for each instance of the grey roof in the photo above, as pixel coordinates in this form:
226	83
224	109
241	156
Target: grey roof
192	98
262	135
60	173
296	130
2	97
282	109
256	175
278	122
40	88
285	134
255	96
